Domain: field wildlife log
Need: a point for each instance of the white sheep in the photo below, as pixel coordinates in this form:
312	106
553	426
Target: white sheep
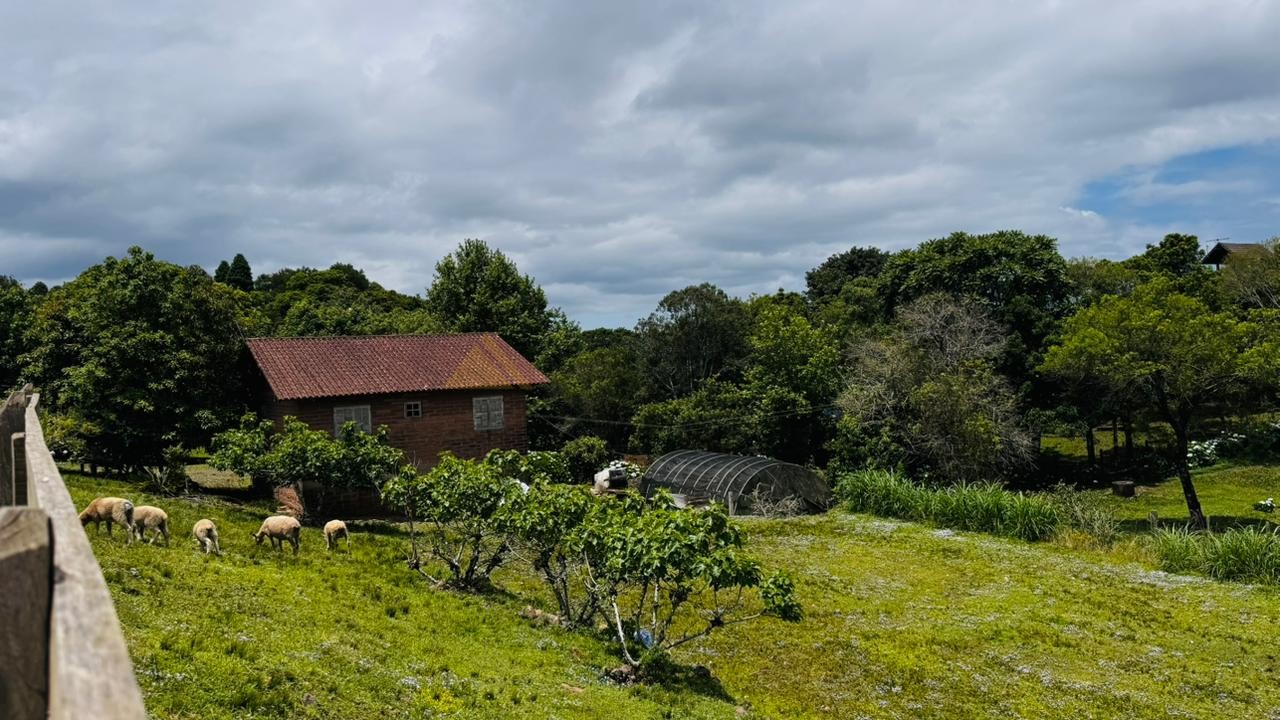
110	510
280	528
206	534
150	517
333	530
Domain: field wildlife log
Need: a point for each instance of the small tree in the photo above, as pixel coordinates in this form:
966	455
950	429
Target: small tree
1180	355
586	456
458	500
239	274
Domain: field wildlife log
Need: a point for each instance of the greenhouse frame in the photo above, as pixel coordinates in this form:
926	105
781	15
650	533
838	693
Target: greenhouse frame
697	476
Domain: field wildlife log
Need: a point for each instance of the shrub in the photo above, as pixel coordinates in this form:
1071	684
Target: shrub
982	508
539	466
459	501
1245	554
585	457
1083	512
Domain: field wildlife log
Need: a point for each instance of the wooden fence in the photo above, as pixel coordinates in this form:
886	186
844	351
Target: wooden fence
61	651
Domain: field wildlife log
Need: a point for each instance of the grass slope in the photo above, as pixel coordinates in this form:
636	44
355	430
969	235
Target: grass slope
901	621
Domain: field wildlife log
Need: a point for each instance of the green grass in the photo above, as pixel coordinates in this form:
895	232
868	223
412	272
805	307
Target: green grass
1227	493
900	621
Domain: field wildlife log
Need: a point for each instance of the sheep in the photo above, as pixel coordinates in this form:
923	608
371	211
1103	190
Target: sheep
110	510
333	530
206	534
280	528
150	517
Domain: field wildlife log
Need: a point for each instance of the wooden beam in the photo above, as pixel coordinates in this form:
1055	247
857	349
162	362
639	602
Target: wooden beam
89	670
26	564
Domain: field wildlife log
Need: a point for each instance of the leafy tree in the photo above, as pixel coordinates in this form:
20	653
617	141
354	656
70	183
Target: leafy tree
1253	280
145	353
239	275
825	282
479	289
723	417
459	500
1021	280
537	467
696	333
1174	349
220	274
298	453
930	388
16	309
602	385
1175	256
586	456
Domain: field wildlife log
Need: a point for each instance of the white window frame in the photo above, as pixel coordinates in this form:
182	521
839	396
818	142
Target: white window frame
413	409
361	415
488	413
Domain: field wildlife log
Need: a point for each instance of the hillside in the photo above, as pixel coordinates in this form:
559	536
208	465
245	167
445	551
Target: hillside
901	621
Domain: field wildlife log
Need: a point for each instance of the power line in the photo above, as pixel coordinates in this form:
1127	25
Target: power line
728	420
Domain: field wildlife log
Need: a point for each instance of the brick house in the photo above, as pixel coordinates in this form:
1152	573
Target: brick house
463	393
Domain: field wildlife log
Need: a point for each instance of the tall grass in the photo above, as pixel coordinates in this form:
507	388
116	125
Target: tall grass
982	508
1244	554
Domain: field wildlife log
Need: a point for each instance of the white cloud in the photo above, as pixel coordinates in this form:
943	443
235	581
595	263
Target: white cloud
617	150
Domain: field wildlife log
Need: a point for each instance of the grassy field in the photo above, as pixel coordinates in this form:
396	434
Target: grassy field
901	621
1227	494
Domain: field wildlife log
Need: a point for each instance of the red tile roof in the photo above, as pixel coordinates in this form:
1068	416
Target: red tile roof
316	367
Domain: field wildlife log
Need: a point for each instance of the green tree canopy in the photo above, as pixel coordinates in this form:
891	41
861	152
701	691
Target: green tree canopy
696	333
16	308
479	289
239	275
1181	355
146	353
824	282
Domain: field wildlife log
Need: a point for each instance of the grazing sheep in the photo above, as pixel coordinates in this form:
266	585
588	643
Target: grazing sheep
150	517
333	530
206	534
110	510
280	528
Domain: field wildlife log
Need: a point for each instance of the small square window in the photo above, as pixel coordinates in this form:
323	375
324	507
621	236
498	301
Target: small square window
487	412
358	414
413	409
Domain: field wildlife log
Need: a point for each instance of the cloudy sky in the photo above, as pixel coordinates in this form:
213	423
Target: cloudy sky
620	150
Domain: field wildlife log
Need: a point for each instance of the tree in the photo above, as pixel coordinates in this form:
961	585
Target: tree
1178	353
602	386
930	390
586	456
1175	256
696	333
239	275
1252	280
825	281
16	308
146	353
724	417
1020	279
479	289
220	274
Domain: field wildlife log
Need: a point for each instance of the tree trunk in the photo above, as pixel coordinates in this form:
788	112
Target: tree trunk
1184	475
1115	440
1128	438
1090	446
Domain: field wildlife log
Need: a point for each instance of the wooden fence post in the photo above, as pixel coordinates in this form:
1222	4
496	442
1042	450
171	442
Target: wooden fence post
26	600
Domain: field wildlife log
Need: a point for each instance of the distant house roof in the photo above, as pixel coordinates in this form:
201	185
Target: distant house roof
1217	254
317	367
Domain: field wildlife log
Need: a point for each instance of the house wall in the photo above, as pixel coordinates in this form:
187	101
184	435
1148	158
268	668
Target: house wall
447	422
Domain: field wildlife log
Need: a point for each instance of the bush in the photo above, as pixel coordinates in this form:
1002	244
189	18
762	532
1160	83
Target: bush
585	457
1083	512
982	508
539	466
1244	554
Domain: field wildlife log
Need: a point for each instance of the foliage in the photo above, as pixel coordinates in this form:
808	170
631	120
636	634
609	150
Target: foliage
695	334
539	466
1082	512
339	300
298	453
1020	279
239	274
983	508
459	501
598	384
929	389
1247	554
825	282
586	456
143	352
477	288
1172	349
722	417
1252	280
546	525
16	307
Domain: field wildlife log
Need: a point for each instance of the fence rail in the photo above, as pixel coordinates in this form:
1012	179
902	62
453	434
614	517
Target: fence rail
61	651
